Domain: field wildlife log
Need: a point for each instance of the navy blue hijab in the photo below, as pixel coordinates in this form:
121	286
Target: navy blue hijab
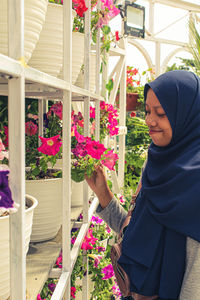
168	205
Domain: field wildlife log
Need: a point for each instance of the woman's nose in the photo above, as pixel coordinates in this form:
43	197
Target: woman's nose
150	121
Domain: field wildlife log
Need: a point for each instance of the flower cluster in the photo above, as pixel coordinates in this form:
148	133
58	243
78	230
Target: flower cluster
78	5
100	268
108	120
87	154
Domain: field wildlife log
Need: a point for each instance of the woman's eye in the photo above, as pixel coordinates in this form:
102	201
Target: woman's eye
161	115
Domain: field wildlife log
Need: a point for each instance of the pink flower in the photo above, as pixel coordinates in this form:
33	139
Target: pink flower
40	298
31	128
5	140
89	241
80	7
108	229
31	116
116	290
73	292
109	159
95	149
96	220
97	260
59	261
2	147
56	109
80	138
50	146
122	199
73	239
113	130
108	272
92	112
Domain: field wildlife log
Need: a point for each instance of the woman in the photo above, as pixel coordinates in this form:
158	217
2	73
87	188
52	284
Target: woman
160	250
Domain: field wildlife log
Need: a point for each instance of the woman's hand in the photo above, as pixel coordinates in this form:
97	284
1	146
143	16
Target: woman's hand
98	184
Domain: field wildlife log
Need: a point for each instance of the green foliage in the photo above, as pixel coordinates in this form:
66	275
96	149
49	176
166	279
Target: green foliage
194	45
137	142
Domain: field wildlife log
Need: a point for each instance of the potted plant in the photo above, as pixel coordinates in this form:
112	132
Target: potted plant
48	54
134	88
8	206
99	20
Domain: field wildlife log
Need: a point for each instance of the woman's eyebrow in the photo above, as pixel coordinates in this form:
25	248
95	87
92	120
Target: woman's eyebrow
157	106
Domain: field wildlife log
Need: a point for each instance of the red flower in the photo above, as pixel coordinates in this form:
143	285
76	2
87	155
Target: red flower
133	114
31	128
50	146
117	35
73	292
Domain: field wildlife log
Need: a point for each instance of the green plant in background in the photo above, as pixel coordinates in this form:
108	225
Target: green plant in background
194	45
137	142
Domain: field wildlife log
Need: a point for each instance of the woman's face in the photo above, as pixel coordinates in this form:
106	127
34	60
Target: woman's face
159	127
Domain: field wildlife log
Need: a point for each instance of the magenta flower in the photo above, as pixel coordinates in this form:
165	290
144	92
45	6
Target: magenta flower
109	159
57	109
73	239
113	130
80	7
108	229
96	220
116	290
30	128
108	272
92	112
39	297
5	139
59	261
51	287
80	138
97	260
100	249
122	199
50	146
95	149
89	241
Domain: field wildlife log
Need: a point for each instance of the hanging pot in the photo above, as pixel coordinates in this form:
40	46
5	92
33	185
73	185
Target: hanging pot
131	101
34	17
48	214
48	54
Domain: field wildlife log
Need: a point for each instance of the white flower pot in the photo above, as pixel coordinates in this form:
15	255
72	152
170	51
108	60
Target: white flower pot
4	245
77	193
48	54
77	55
80	79
34	17
48	214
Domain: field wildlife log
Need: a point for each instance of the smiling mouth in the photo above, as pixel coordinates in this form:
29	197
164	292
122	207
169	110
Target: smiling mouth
154	131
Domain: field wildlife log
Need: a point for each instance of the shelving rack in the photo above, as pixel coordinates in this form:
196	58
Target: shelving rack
19	81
